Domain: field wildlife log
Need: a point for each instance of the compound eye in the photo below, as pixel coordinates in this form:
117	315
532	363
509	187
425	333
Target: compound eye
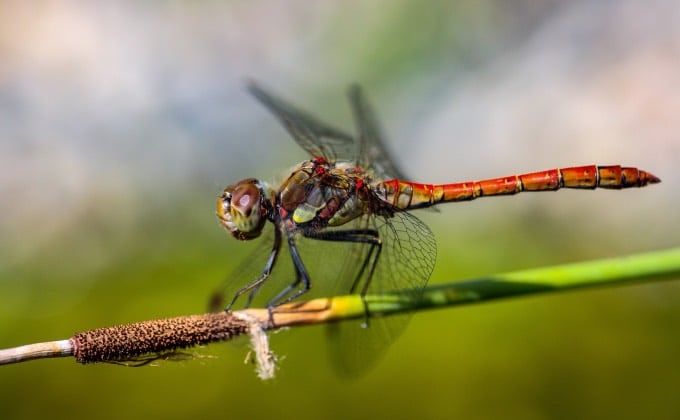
244	198
241	210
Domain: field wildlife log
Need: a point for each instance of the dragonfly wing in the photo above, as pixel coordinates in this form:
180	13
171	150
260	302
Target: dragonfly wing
314	136
372	153
356	348
405	265
408	257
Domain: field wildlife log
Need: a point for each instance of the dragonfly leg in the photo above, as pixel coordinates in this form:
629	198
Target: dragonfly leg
367	236
253	293
301	277
254	287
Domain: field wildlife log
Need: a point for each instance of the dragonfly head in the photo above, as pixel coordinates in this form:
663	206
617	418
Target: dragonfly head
242	209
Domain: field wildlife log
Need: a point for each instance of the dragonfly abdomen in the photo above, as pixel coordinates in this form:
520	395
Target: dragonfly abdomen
410	195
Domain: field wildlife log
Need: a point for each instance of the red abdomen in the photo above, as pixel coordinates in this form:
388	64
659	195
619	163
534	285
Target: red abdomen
409	195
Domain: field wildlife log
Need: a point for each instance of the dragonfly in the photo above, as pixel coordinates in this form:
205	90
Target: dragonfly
351	193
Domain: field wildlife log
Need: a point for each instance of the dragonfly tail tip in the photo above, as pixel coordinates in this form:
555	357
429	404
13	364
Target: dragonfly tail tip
649	178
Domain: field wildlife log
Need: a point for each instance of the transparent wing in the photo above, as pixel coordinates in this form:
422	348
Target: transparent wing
313	135
372	153
320	139
405	264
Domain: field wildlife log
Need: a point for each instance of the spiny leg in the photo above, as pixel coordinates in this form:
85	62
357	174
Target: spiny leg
377	247
367	236
254	287
301	277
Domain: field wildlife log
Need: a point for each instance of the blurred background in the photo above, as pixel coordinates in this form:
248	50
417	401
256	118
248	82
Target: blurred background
120	123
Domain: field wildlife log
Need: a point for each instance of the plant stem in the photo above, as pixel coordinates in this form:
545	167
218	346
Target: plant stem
162	338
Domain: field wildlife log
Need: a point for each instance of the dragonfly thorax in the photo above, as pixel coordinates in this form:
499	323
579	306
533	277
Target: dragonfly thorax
242	209
318	194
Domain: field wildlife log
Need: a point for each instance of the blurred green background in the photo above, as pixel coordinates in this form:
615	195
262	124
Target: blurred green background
121	122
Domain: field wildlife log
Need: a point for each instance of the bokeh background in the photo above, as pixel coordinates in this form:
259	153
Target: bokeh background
120	122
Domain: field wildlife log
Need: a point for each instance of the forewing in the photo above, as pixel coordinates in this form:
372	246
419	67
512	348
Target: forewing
313	135
372	153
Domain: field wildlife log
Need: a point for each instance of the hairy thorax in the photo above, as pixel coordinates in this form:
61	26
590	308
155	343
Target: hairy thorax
320	194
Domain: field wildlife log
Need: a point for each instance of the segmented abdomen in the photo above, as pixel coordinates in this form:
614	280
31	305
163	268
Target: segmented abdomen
409	195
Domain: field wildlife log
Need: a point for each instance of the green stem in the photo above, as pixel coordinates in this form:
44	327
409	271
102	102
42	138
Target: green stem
649	267
130	342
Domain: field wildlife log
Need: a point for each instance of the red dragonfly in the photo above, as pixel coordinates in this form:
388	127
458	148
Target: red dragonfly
351	192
